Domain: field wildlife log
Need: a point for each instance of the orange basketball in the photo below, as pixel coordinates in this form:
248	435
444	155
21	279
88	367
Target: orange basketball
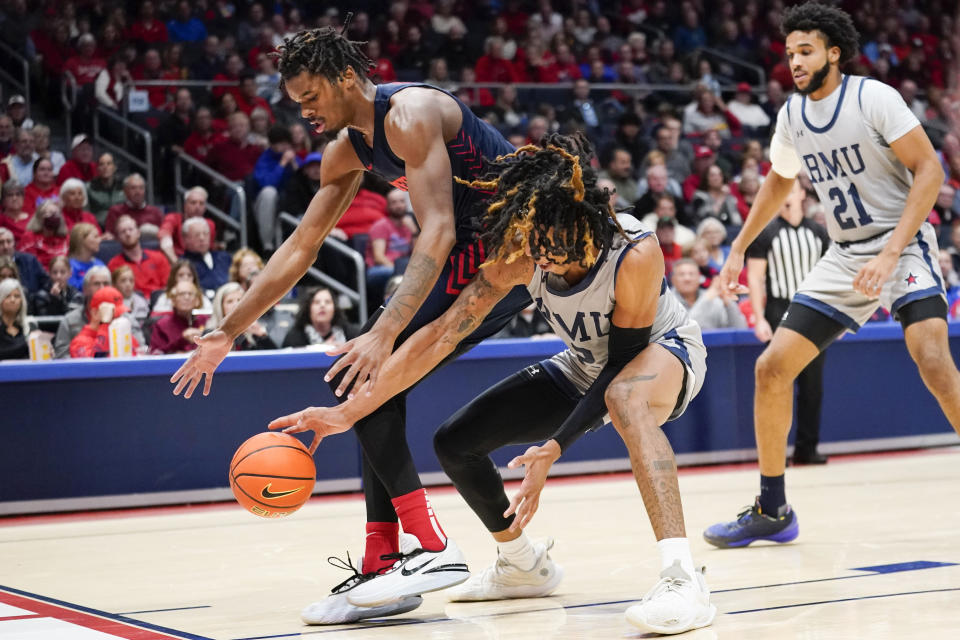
272	474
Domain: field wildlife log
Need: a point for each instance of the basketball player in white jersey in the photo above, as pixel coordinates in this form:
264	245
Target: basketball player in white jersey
632	351
877	174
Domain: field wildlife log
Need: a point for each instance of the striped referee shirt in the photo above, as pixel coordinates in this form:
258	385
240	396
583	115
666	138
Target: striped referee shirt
790	253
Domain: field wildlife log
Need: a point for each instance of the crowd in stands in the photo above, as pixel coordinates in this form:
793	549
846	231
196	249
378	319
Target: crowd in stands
681	127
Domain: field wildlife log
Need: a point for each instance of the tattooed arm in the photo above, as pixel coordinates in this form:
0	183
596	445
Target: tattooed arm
417	136
637	293
419	354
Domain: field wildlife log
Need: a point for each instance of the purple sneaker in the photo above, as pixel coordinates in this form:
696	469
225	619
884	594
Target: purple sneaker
752	525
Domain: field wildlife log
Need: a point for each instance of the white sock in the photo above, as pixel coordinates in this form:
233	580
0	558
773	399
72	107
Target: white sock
519	552
672	549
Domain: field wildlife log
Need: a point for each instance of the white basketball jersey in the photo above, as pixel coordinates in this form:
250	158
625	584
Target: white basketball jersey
580	315
843	142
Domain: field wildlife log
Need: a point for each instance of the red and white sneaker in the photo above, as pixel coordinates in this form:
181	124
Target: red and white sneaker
415	571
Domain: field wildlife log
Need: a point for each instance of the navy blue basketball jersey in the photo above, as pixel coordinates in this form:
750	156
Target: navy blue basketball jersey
475	140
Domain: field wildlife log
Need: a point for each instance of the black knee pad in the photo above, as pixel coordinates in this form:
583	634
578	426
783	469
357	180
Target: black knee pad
816	327
922	309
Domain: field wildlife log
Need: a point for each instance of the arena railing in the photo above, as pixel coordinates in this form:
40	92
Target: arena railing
118	143
21	84
240	226
358	296
68	98
756	70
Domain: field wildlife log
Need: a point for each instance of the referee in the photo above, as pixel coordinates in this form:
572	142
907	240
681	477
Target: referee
777	262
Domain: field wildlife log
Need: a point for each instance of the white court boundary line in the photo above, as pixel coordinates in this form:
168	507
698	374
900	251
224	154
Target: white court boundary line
344	485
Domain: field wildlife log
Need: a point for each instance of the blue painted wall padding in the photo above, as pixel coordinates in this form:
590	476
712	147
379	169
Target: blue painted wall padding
92	428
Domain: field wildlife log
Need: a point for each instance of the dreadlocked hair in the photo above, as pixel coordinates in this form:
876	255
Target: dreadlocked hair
834	24
542	189
324	51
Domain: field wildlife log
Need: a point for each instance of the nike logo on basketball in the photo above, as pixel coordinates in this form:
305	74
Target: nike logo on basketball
271	495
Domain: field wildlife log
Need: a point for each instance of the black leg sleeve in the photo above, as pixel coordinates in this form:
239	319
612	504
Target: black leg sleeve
525	408
809	399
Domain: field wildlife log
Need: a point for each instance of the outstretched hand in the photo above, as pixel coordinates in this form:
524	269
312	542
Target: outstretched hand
363	357
728	281
525	502
210	352
323	421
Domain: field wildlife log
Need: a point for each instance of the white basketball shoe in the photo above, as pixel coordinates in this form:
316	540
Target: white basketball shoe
677	603
336	608
504	580
415	571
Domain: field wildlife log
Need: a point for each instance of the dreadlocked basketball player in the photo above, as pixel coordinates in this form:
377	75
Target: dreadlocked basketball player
869	159
632	351
419	138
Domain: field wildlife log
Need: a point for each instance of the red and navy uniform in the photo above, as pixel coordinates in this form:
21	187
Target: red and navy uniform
475	140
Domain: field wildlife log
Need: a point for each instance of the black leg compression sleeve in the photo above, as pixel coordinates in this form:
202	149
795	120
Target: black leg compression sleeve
379	507
922	309
525	408
812	325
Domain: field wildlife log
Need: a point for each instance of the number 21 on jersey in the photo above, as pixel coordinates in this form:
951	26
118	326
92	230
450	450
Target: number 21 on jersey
848	220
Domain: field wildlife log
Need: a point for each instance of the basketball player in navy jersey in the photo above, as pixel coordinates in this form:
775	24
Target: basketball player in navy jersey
874	168
419	138
632	351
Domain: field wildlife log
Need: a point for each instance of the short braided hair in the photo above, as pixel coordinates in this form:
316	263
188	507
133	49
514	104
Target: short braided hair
835	24
324	51
539	189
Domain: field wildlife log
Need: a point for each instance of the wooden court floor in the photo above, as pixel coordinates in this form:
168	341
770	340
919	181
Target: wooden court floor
878	557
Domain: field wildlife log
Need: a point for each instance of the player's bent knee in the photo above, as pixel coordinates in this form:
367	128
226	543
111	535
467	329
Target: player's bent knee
616	396
771	369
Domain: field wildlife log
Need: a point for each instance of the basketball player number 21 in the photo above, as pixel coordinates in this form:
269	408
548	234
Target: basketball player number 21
863	218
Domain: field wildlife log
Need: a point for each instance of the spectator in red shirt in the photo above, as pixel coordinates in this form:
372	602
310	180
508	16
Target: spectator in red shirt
264	45
171	234
94	338
671	250
87	65
249	100
147	29
46	236
110	41
235	156
53	45
174	332
382	67
226	107
231	73
80	165
43	187
201	140
73	195
148	217
567	69
152	69
390	245
492	67
367	208
12	215
150	268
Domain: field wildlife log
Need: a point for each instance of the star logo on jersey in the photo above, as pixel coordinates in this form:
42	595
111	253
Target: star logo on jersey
911	279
